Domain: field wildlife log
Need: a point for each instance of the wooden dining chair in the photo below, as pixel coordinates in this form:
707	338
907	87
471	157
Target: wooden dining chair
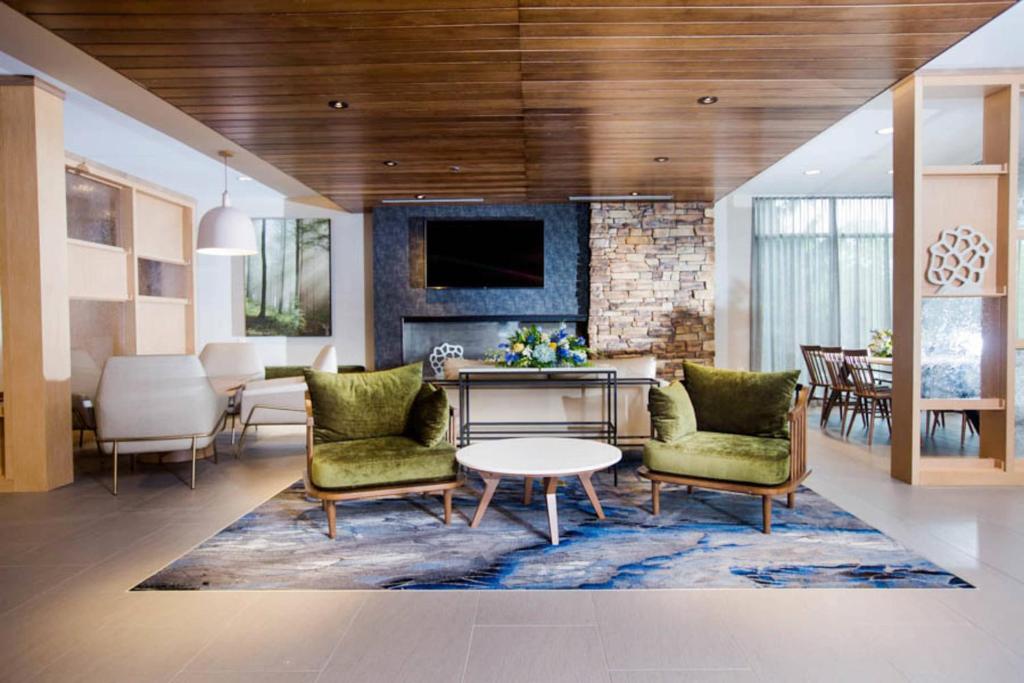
936	418
873	400
840	387
813	371
818	358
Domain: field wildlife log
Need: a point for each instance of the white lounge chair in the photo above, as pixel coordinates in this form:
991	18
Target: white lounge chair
153	404
230	365
280	401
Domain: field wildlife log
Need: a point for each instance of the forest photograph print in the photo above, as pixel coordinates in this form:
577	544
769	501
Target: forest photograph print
288	283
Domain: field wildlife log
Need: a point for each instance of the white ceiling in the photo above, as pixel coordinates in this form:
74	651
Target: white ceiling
106	136
854	160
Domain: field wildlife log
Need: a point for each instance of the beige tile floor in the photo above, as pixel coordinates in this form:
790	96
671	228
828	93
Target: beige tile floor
68	558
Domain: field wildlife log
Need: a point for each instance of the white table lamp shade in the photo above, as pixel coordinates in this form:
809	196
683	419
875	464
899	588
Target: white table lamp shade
226	231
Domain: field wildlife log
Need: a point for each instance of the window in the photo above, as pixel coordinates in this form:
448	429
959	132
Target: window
821	274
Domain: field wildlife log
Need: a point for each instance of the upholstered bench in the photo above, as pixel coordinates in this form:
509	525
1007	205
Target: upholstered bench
731	431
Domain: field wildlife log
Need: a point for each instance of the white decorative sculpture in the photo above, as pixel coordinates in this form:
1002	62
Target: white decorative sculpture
440	353
958	259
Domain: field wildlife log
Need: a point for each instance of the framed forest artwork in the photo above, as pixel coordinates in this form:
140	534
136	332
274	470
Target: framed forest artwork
288	283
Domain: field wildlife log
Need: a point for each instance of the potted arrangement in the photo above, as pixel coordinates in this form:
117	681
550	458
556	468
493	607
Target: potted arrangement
532	347
880	345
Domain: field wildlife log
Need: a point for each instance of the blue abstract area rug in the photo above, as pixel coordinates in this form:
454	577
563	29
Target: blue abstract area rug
706	539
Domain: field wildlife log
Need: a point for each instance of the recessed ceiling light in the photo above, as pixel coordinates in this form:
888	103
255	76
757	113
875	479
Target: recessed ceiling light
707	99
244	178
421	196
390	162
454	169
812	171
661	160
885	131
338	104
634	194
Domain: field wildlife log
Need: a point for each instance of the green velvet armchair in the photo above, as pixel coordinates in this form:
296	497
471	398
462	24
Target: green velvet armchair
732	431
377	434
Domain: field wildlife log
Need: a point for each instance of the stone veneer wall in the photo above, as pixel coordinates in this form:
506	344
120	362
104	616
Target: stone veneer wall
651	281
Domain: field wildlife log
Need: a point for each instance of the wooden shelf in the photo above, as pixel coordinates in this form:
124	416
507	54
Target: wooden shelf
966	169
966	295
162	300
97	245
962	404
164	259
961	470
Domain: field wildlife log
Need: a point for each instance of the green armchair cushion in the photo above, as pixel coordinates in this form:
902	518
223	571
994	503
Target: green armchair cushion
428	419
279	371
671	412
379	462
723	457
736	402
362	405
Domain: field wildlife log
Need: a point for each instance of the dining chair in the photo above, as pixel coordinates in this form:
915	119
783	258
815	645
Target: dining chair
936	418
816	379
873	399
841	389
819	360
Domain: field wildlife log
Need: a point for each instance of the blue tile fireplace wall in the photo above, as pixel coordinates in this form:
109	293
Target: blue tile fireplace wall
399	290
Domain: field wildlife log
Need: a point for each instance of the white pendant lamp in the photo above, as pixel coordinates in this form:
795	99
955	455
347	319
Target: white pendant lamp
226	231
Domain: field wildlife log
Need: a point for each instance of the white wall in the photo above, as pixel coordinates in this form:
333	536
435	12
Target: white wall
733	243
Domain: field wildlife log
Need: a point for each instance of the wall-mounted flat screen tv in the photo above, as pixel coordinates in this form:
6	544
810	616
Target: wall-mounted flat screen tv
485	253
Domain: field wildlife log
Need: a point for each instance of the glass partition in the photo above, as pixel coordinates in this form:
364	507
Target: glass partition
951	347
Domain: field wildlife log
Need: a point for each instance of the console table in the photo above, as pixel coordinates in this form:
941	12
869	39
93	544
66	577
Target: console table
477	379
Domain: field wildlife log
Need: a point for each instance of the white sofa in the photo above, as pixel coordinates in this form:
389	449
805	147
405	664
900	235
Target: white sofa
155	404
564	404
280	401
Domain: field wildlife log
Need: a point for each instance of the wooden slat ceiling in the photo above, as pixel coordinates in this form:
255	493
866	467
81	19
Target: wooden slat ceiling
532	99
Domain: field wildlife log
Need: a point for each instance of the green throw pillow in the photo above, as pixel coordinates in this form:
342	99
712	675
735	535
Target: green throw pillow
428	419
671	412
737	402
362	405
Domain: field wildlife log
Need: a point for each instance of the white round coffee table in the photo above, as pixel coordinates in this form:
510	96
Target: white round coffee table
548	459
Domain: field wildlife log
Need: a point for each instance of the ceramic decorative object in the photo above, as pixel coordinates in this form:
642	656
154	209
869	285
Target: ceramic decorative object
958	259
440	354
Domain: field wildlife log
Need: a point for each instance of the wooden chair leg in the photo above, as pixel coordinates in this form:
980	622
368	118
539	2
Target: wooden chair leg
963	429
871	421
656	497
332	518
448	506
853	419
791	499
527	490
689	490
766	513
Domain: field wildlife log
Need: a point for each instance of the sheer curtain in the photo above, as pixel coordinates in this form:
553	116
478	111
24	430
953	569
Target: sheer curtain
821	274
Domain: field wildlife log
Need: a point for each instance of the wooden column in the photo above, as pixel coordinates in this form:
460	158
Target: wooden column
34	285
907	268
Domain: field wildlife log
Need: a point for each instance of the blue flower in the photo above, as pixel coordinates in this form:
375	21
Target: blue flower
562	352
511	358
503	345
